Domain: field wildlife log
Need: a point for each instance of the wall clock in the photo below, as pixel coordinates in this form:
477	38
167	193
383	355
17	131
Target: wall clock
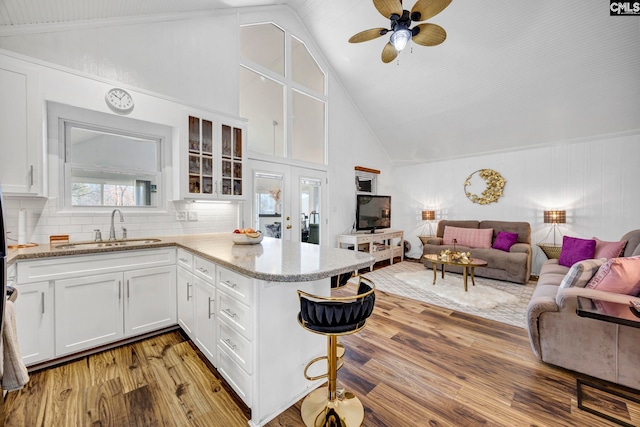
495	184
119	100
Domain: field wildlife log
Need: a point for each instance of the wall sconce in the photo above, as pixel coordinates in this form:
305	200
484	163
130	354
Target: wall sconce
555	217
428	216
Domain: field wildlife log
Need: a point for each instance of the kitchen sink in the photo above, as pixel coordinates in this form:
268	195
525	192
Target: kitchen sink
108	244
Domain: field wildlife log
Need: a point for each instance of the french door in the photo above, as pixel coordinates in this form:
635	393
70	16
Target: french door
289	202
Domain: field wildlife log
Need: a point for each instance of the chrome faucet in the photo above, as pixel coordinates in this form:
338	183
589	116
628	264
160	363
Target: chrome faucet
112	230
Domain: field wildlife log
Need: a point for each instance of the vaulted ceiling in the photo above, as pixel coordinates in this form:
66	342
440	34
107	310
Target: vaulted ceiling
509	75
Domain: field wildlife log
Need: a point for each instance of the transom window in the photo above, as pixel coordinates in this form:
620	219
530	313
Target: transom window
283	94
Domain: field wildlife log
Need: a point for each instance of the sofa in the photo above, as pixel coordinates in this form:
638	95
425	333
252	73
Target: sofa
560	337
513	265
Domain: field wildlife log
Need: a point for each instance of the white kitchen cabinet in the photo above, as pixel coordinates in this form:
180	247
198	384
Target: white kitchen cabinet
205	308
150	301
235	331
212	158
196	296
96	299
186	303
34	322
21	158
89	312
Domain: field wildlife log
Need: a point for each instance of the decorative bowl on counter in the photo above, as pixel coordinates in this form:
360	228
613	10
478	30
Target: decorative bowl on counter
247	239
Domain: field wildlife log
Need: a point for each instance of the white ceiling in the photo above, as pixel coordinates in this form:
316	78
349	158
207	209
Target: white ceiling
510	74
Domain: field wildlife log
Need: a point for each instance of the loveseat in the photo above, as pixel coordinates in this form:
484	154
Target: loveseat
560	337
513	265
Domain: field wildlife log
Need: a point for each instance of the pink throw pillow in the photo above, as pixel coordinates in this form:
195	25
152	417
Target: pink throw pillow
470	237
618	275
609	249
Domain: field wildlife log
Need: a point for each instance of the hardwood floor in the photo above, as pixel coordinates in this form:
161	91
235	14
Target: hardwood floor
413	365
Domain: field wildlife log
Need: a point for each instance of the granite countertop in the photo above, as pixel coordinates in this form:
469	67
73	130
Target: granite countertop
272	260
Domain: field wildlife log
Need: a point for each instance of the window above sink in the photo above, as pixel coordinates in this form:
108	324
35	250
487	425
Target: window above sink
108	161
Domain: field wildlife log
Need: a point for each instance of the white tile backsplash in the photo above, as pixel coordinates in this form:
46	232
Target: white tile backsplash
43	220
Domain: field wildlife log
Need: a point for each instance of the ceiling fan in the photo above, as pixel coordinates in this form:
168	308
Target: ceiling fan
424	34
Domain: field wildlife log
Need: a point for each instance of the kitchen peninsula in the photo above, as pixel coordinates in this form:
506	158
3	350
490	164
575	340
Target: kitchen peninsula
237	303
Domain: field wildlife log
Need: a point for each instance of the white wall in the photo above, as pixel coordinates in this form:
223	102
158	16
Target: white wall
188	60
594	180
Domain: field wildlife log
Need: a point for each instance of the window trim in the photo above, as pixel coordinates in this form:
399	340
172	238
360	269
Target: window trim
59	115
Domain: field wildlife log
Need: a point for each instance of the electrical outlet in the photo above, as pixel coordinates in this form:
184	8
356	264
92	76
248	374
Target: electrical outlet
181	216
193	215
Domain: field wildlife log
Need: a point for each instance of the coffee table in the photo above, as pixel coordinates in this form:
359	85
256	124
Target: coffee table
467	268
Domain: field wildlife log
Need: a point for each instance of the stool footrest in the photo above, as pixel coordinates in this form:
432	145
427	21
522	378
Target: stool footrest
317	359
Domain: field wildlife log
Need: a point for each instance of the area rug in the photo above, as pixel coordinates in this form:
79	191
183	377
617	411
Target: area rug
490	299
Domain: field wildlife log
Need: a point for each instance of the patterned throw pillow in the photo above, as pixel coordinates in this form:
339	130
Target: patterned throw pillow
580	273
618	275
470	237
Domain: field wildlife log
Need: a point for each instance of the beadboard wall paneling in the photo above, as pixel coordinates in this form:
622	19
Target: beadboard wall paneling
594	180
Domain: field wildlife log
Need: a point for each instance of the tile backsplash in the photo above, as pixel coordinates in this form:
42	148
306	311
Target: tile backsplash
43	220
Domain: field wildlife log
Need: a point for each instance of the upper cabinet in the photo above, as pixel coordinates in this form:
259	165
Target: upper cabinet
212	159
21	156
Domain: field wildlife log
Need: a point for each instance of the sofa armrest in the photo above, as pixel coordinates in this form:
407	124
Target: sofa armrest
434	241
566	294
524	248
543	300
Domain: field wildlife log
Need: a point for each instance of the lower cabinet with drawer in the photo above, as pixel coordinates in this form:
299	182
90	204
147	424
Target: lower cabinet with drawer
196	295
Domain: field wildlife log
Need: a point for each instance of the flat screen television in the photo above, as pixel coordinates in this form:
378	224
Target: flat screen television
372	212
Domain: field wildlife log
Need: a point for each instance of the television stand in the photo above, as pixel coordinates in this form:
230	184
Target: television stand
381	244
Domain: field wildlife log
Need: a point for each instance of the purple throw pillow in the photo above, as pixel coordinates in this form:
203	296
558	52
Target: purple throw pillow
504	240
576	250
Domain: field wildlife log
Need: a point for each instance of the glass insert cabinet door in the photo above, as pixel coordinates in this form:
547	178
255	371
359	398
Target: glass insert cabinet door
215	158
201	179
288	202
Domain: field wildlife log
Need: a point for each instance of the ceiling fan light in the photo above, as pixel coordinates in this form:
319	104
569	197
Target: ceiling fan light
400	38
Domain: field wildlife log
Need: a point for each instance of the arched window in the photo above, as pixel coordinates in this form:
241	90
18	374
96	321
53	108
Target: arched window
283	94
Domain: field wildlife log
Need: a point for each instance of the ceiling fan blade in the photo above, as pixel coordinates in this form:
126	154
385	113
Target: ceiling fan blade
367	35
425	9
429	34
389	53
388	7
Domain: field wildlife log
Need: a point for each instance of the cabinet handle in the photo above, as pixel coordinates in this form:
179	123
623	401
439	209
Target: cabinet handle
210	314
229	313
119	289
183	260
202	270
227	341
127	288
188	286
230	284
42	301
31	176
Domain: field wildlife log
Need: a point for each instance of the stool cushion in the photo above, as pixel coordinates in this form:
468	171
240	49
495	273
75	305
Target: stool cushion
336	317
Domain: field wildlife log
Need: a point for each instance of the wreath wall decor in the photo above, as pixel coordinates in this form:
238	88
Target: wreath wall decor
493	191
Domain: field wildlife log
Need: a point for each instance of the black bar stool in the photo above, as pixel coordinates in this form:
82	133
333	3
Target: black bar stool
333	317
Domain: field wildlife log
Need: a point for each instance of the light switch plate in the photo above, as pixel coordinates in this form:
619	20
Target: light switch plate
181	216
192	215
